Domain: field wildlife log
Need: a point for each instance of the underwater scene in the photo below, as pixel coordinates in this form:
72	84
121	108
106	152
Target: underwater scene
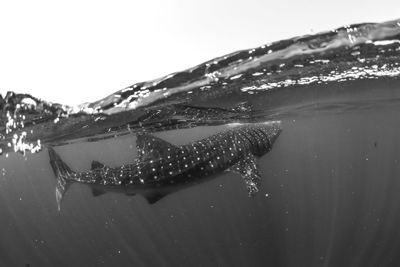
287	154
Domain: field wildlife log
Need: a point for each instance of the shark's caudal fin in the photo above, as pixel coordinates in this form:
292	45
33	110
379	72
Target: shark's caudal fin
62	172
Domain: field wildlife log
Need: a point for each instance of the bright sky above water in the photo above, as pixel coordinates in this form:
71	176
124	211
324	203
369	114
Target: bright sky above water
78	51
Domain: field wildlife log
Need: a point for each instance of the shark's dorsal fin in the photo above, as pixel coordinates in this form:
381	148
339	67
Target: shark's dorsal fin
97	192
97	165
154	197
247	168
149	146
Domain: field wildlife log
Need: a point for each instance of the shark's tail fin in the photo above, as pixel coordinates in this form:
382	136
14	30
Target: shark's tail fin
63	174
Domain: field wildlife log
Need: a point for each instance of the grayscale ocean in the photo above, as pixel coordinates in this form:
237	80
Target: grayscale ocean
290	157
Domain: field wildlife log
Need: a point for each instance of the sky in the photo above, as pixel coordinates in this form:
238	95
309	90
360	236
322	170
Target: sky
78	51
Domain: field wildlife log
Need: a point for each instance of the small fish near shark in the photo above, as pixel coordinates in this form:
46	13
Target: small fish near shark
162	168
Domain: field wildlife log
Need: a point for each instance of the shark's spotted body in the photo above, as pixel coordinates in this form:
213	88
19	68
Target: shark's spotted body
162	168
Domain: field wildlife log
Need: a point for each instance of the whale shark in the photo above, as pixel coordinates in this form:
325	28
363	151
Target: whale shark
162	168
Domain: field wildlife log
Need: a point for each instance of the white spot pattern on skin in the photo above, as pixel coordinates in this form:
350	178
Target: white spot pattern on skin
211	153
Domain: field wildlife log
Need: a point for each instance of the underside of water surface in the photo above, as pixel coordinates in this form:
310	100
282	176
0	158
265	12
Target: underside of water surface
328	194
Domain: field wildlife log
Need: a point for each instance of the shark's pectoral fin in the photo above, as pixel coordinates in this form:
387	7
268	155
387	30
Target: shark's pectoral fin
97	192
97	165
247	168
150	147
154	197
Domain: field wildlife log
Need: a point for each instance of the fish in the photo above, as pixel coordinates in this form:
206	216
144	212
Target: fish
162	168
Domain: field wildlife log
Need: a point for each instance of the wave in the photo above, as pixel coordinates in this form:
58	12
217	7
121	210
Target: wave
247	85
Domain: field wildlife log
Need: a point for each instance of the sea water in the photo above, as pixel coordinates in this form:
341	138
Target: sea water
330	184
